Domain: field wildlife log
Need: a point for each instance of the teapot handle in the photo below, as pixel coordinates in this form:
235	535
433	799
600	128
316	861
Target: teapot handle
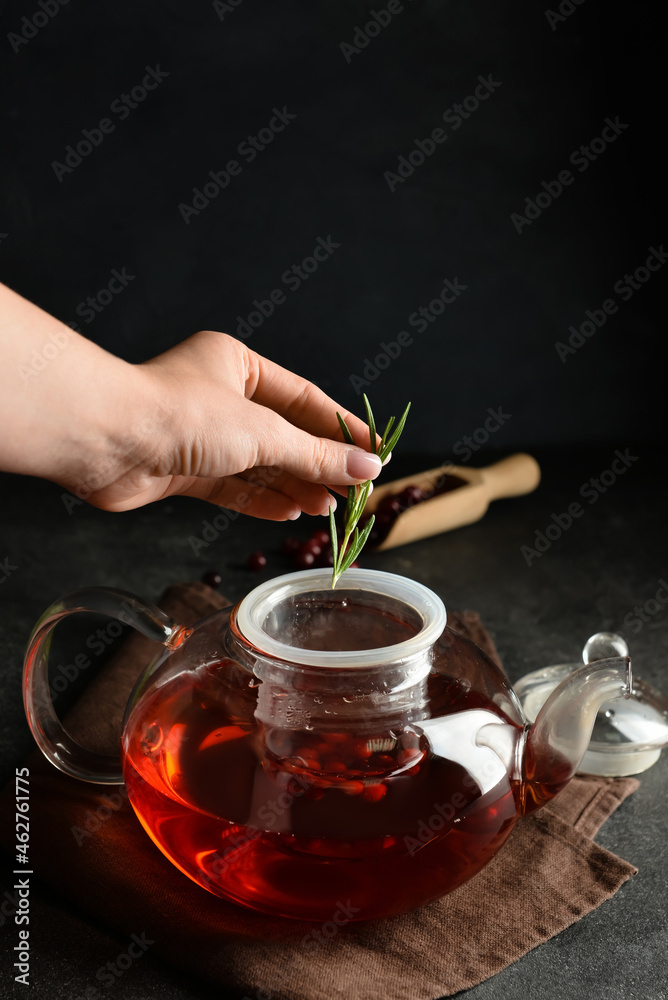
53	740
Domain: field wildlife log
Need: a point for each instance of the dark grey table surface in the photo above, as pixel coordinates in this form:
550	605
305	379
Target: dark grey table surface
602	573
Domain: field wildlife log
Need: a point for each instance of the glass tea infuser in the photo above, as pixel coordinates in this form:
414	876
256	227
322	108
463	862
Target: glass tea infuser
311	745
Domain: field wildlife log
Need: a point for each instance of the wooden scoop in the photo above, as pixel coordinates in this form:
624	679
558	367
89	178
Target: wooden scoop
511	477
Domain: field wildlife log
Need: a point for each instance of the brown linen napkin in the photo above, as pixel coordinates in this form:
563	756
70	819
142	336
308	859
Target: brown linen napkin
87	844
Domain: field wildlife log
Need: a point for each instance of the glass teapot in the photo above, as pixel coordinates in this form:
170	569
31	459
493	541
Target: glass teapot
311	746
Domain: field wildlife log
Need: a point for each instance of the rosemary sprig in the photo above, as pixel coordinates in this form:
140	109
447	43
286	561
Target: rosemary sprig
354	540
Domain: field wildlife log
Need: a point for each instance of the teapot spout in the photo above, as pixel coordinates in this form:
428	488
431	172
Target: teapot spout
558	739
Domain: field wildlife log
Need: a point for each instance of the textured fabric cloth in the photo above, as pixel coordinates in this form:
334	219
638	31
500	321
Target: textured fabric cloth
87	843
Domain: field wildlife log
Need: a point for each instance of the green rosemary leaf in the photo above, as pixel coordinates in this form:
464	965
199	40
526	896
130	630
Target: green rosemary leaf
386	432
365	532
371	422
352	553
344	427
392	443
332	531
358	545
360	502
365	491
345	551
349	559
346	557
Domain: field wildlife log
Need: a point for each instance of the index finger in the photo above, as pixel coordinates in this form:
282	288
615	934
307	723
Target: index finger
301	402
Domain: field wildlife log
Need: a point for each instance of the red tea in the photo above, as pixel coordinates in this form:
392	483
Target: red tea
298	822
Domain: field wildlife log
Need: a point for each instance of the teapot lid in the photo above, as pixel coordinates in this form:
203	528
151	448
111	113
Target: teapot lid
628	734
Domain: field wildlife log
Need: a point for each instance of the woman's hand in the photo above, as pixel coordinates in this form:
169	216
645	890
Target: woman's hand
208	418
237	430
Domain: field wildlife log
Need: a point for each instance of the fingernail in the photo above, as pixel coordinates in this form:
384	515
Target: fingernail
293	517
387	459
331	502
363	465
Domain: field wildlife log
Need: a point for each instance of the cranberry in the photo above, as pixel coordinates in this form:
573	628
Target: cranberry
256	561
335	765
325	559
446	482
290	545
353	787
361	750
389	507
374	793
321	536
304	557
212	578
410	495
313	545
385	519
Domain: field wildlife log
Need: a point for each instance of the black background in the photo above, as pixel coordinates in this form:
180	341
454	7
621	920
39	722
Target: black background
323	175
